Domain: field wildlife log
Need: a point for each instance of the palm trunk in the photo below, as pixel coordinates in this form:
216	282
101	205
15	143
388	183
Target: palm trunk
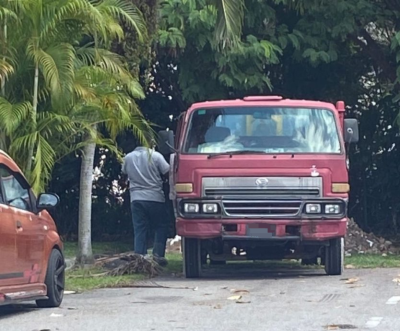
3	138
85	254
34	114
3	81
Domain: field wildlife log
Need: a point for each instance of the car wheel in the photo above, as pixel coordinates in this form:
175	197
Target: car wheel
55	281
334	257
191	258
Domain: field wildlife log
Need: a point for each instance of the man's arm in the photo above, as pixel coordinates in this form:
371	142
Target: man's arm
163	166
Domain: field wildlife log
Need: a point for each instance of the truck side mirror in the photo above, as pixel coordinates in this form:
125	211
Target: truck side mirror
351	134
166	142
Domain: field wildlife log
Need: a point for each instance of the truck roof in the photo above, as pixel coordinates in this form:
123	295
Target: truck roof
272	101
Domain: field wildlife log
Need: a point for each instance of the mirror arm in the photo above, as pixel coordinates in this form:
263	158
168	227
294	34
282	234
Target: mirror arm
172	148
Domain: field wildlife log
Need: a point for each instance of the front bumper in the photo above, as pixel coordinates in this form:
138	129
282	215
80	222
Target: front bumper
262	229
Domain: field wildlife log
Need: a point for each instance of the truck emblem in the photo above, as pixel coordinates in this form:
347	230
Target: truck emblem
262	182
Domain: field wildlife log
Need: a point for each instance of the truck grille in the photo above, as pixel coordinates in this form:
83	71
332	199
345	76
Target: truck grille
253	208
279	196
262	193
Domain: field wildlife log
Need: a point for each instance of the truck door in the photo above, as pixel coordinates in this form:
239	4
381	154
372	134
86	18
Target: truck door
30	230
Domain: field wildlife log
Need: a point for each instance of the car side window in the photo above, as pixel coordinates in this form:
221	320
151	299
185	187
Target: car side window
15	191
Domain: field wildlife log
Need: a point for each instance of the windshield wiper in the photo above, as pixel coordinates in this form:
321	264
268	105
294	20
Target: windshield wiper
210	156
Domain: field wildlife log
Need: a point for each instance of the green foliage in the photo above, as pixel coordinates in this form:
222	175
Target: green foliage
77	89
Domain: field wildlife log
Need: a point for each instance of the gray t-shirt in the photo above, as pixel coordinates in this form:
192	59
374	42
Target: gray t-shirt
144	168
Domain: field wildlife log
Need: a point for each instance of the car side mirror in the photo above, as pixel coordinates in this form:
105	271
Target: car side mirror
166	142
351	133
47	201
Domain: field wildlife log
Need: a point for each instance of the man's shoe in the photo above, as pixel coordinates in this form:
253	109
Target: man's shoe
162	261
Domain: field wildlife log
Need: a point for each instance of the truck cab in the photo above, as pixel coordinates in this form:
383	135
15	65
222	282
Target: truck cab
261	178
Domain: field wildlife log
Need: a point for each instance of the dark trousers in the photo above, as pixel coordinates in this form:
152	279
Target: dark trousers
146	214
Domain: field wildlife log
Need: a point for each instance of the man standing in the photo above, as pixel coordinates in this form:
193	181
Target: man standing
146	169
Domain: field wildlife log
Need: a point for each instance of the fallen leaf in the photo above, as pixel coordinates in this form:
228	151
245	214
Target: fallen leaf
217	306
243	301
240	291
69	292
350	266
357	285
397	280
224	287
235	297
56	315
340	326
72	308
352	280
195	289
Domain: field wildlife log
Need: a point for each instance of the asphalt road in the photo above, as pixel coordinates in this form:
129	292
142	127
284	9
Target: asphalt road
281	300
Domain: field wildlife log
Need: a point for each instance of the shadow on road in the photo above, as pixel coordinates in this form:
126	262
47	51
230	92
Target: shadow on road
255	270
14	310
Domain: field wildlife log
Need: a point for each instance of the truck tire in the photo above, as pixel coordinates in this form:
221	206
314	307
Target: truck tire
191	258
334	257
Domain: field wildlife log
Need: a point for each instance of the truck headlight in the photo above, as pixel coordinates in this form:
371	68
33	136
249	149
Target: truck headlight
210	208
332	209
313	208
191	208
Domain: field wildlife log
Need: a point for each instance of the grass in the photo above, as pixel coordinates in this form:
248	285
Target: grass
80	280
87	279
373	261
70	248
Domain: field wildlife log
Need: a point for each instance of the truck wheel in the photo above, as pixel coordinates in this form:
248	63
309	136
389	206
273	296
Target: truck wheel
334	257
55	281
191	258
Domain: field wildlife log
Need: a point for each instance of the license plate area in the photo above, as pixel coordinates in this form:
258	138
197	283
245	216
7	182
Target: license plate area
261	230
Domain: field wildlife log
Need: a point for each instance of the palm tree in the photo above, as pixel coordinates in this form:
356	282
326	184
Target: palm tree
58	96
109	92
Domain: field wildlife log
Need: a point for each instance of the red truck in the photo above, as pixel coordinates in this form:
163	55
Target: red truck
261	178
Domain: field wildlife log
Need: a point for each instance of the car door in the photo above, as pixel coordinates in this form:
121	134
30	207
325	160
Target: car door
30	229
9	273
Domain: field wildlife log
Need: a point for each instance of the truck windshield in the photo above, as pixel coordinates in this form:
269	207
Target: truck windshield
262	129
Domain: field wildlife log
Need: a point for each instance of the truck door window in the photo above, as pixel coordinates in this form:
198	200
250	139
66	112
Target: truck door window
16	193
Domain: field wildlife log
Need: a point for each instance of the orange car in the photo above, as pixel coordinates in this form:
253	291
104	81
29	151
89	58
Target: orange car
32	264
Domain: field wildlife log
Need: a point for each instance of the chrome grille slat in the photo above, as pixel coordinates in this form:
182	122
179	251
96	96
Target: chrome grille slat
248	208
262	192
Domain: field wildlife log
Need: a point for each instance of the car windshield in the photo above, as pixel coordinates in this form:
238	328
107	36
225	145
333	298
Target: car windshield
262	129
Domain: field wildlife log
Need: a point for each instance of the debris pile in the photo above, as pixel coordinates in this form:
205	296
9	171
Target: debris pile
359	242
128	264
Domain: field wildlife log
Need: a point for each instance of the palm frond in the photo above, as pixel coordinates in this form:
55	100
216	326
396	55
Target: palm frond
12	115
230	21
124	11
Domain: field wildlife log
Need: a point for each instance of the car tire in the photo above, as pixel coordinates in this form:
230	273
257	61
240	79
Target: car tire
191	258
55	281
334	257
